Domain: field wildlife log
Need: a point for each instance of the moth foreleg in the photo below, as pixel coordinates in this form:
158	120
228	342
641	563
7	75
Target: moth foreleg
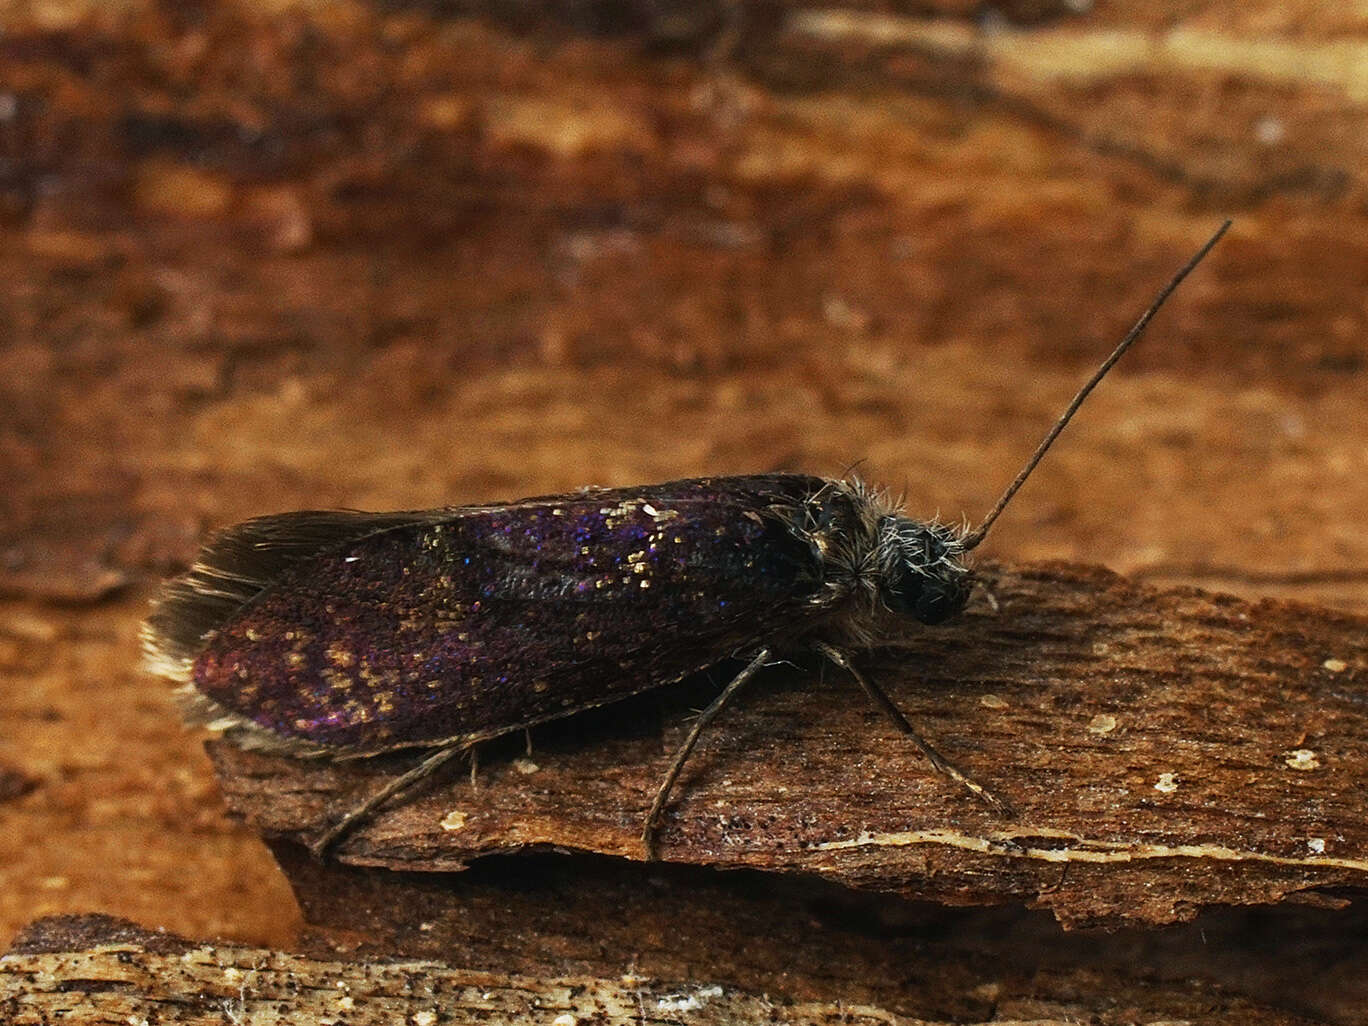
940	762
652	823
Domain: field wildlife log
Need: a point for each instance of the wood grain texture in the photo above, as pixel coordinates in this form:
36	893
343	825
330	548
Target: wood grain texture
1163	750
95	970
262	256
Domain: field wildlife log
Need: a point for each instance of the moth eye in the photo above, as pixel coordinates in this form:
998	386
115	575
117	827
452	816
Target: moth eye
931	600
921	575
939	601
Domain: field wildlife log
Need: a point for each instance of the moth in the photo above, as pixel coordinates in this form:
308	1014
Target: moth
342	635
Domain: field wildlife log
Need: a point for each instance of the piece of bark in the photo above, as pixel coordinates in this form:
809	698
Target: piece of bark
87	970
794	935
1162	749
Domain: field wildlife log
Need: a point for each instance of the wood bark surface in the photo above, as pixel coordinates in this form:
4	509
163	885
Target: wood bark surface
262	256
1161	750
99	970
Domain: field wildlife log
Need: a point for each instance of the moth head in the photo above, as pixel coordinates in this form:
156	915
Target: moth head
921	569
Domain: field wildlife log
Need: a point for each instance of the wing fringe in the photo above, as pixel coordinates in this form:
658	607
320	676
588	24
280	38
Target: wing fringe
239	563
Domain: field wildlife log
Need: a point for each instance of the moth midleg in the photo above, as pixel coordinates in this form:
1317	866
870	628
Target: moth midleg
426	768
940	762
652	822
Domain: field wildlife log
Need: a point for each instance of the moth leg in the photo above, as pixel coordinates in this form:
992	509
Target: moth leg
648	838
940	762
475	767
426	768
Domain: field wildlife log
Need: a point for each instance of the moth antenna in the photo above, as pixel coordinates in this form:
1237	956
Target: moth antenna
972	539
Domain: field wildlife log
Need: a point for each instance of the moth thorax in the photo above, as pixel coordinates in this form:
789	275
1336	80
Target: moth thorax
921	572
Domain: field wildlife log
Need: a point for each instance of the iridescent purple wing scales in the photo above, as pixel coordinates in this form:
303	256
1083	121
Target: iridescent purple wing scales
470	623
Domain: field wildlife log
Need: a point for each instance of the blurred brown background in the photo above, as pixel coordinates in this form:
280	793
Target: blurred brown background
264	255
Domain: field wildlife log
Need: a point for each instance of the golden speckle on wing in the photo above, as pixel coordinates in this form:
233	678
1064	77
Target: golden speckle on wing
341	656
357	712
